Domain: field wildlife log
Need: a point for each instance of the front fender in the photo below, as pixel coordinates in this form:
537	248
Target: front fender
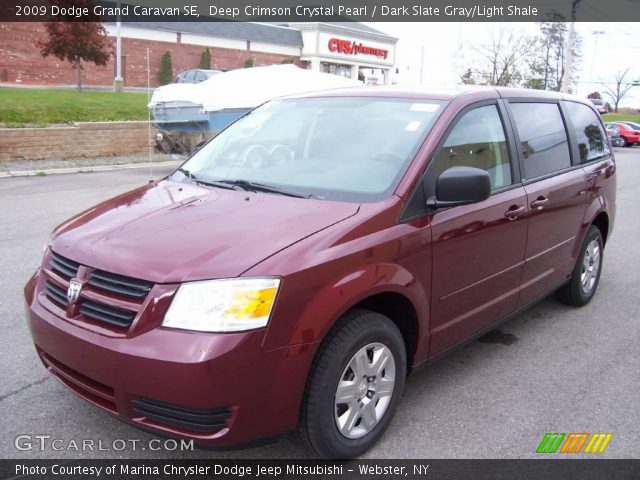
310	321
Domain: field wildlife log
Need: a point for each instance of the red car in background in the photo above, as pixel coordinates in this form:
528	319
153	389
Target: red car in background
630	135
614	137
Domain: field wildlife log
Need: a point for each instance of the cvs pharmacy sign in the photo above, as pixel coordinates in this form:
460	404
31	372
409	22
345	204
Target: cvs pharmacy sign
348	47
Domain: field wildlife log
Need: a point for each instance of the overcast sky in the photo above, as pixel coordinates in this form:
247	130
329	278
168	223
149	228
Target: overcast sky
446	43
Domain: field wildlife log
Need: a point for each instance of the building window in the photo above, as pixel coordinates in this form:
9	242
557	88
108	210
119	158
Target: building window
336	69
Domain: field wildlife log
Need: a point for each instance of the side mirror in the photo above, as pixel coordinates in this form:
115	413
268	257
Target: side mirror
461	186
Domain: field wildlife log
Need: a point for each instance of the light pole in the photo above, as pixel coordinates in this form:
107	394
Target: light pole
118	82
596	33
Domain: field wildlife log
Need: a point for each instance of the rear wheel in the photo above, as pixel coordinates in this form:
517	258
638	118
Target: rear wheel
586	274
354	386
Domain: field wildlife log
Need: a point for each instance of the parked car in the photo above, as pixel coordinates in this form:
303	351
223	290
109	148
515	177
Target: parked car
378	230
614	136
633	125
196	75
600	105
628	134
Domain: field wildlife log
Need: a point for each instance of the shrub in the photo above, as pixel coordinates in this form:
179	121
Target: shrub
205	59
165	74
248	63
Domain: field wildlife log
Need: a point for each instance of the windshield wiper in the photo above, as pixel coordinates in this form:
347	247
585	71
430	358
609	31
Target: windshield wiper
199	181
262	187
241	185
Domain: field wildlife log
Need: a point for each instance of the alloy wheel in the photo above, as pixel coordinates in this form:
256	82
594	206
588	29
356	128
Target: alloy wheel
364	390
590	266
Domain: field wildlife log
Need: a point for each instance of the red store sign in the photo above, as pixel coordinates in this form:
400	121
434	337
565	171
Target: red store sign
352	48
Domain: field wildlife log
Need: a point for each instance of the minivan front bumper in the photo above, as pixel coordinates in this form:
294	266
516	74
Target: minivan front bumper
218	389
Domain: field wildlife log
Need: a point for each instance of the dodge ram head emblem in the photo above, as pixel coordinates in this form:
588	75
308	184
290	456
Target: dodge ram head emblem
73	292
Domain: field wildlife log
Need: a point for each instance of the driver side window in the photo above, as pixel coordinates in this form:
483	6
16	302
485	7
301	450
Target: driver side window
478	140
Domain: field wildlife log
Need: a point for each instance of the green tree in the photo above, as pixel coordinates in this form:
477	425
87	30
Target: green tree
248	63
553	51
205	59
535	67
165	74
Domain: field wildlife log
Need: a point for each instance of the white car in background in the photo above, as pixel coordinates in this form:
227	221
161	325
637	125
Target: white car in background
600	105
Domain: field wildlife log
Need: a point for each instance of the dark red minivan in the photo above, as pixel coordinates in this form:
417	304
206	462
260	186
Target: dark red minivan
295	269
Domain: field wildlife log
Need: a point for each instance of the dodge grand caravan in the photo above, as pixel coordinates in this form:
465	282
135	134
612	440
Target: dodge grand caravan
296	268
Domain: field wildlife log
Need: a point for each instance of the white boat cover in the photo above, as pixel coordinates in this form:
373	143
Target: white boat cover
249	87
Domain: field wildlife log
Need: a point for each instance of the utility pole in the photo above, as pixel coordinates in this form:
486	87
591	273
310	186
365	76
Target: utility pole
568	67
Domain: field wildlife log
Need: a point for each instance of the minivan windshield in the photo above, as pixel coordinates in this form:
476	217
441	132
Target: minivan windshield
352	149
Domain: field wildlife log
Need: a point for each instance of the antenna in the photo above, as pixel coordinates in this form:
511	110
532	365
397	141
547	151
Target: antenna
149	115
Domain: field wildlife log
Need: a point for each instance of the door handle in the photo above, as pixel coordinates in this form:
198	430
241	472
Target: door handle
595	174
514	211
539	202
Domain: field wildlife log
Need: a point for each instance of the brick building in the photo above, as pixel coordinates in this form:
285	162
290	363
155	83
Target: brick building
348	49
231	45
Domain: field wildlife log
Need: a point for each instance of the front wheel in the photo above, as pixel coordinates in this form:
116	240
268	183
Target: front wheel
354	386
586	274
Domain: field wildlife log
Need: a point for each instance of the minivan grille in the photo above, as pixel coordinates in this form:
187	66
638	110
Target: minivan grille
119	284
56	294
110	299
194	419
63	265
104	313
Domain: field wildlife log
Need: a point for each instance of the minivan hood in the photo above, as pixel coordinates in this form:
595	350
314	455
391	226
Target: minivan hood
174	232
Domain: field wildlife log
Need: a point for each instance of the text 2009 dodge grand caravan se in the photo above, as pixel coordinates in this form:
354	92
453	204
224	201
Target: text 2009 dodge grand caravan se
298	266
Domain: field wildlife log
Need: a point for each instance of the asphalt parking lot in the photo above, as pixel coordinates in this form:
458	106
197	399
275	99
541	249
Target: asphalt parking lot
552	369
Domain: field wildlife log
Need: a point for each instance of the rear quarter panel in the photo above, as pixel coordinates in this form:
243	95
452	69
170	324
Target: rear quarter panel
601	194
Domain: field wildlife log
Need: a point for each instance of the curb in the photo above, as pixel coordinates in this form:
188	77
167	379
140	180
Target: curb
86	169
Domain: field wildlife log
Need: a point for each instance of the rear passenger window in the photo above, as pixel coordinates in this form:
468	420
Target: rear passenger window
478	141
543	138
591	138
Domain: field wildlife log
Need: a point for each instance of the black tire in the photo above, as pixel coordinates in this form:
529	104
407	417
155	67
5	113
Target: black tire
318	421
573	293
626	142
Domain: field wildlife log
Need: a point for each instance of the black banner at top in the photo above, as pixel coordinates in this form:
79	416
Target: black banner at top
320	10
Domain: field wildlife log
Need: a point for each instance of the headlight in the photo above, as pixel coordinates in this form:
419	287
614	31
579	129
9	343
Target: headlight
223	305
